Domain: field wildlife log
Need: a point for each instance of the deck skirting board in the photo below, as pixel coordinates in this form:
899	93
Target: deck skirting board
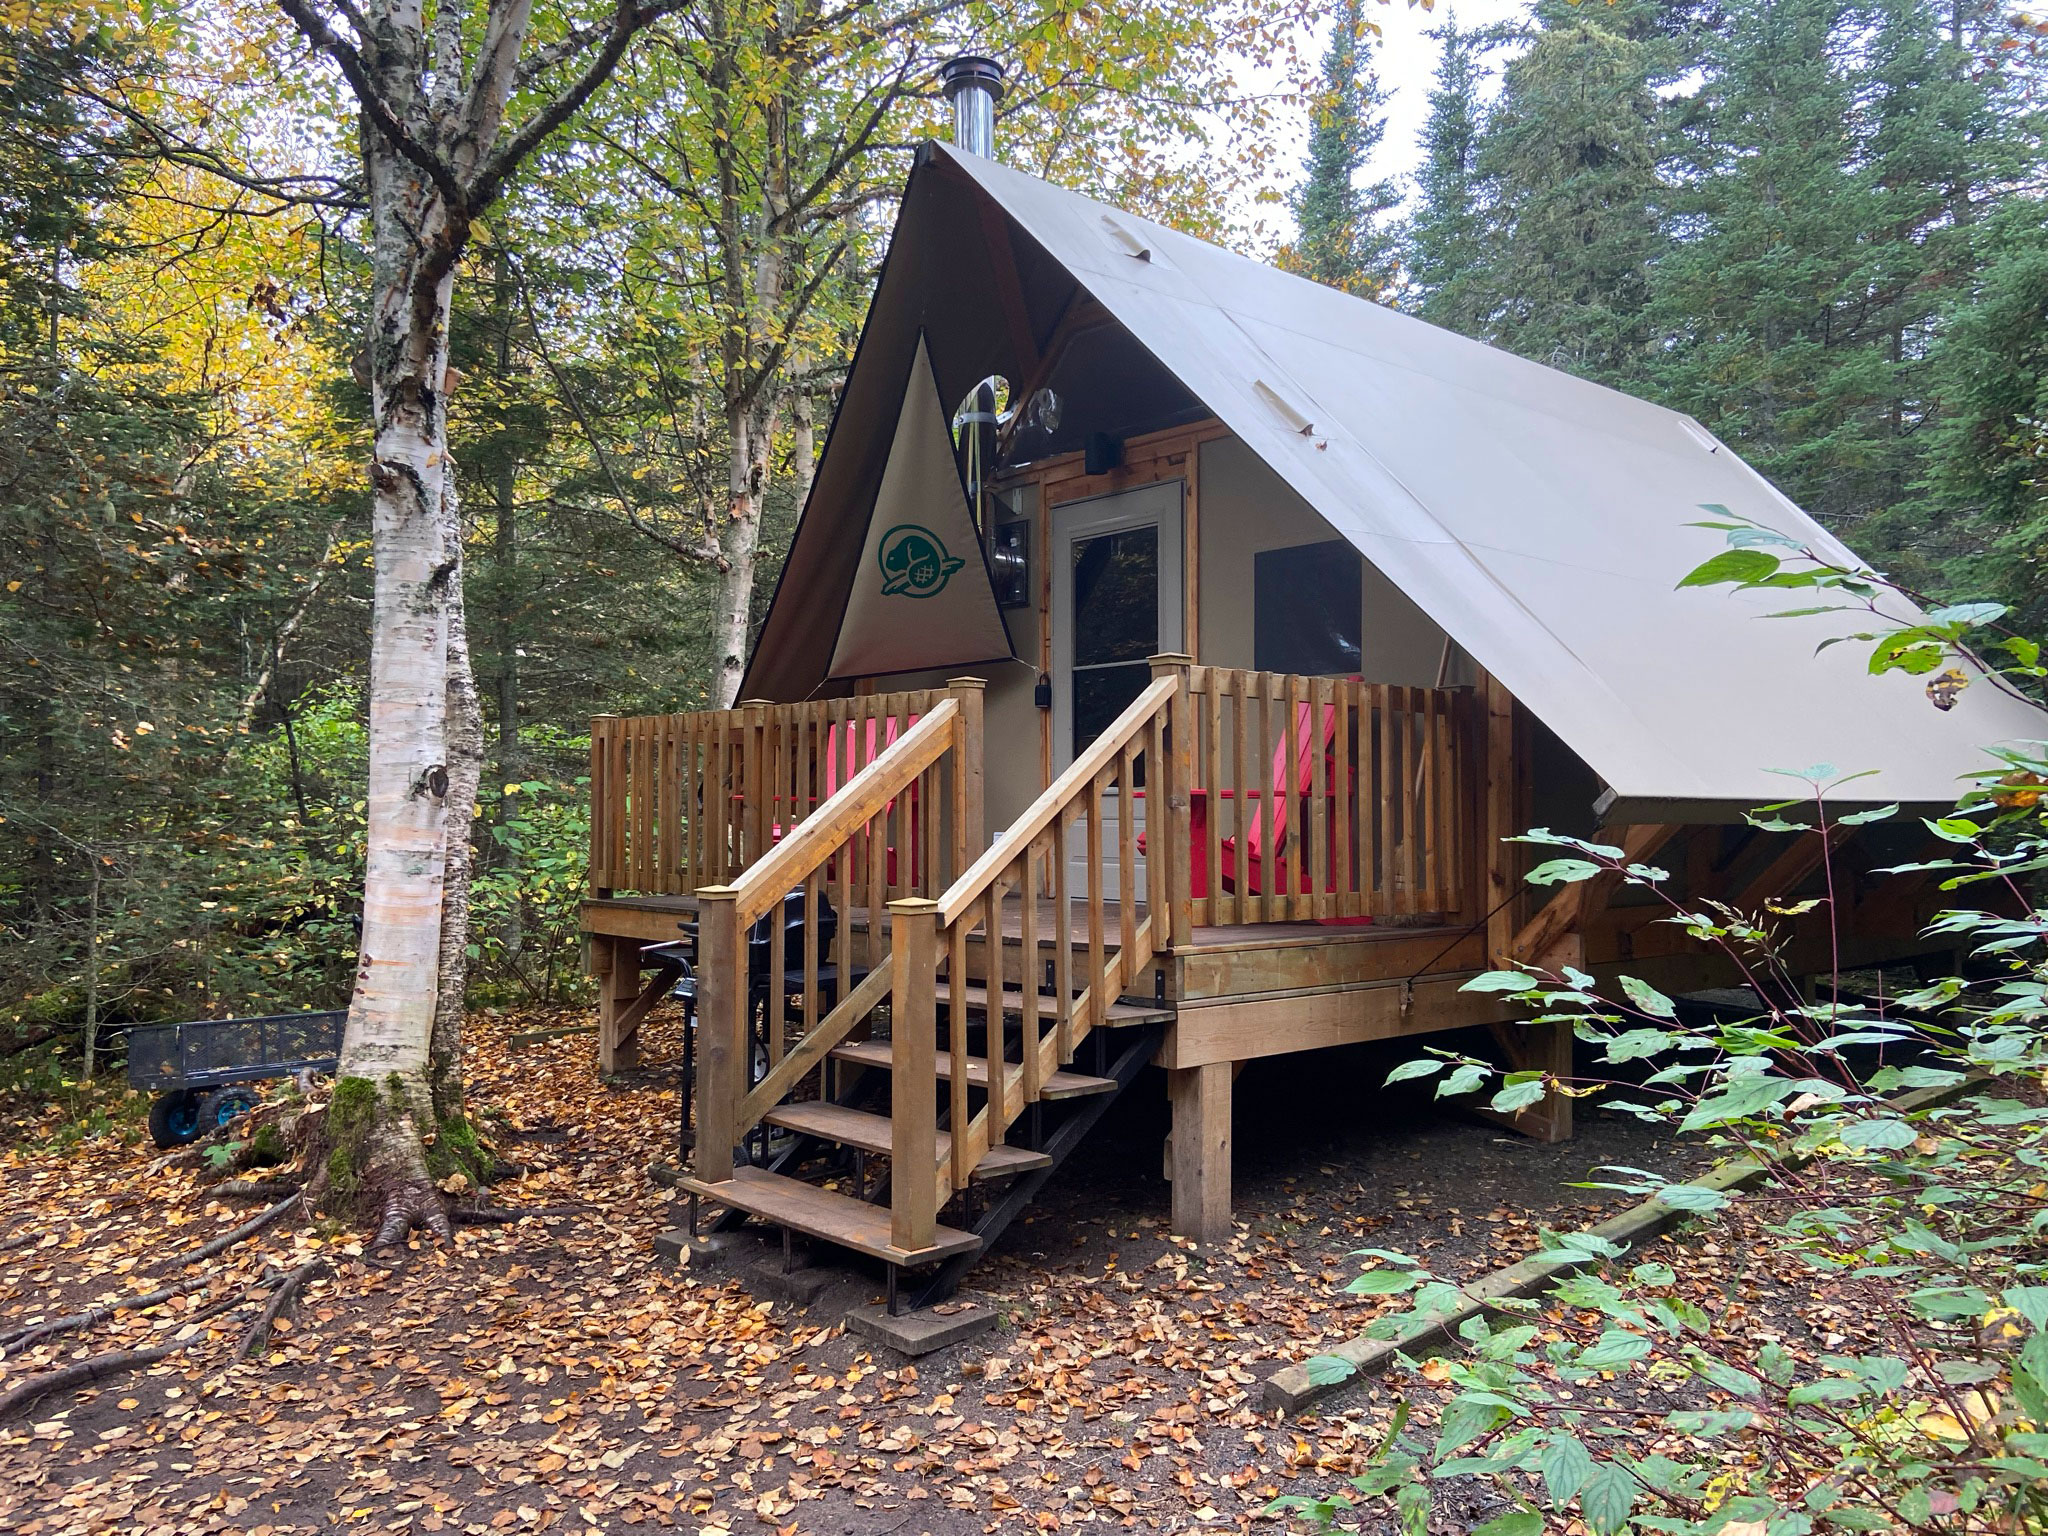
1244	1028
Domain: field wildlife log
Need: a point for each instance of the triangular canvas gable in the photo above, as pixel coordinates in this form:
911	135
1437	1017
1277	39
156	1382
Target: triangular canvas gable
922	597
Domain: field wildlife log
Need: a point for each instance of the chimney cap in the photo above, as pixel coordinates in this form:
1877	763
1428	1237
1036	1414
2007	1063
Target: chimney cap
971	70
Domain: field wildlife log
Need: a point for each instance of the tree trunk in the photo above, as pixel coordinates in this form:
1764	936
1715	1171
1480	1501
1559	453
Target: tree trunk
739	541
423	742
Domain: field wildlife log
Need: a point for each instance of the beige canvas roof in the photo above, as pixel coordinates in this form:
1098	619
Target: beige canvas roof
1541	520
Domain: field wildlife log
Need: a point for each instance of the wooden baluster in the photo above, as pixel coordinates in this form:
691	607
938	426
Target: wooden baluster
1244	806
1026	871
1169	773
1127	855
956	1028
913	1113
995	1042
1063	935
721	1030
877	868
1387	810
1411	740
1213	785
814	955
1345	701
1292	846
1272	907
1095	931
601	810
1321	894
778	992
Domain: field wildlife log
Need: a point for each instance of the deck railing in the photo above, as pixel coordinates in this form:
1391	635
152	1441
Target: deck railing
924	784
678	802
1309	799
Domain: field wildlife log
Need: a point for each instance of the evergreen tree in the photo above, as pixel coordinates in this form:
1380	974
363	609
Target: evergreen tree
1346	239
1570	162
1987	489
1446	237
1761	300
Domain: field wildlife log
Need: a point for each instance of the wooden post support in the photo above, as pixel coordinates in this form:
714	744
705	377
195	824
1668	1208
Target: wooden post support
1498	821
970	754
618	983
1200	1097
721	1029
1173	791
913	1072
1545	1047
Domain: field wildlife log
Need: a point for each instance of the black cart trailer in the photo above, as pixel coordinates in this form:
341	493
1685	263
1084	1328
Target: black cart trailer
200	1071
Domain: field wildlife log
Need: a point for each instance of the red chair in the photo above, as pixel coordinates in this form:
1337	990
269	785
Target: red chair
1248	868
850	747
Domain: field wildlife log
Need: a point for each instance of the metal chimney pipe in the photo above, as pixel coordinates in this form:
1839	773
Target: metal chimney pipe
973	85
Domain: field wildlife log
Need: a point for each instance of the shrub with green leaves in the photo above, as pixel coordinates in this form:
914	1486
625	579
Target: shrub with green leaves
1905	1147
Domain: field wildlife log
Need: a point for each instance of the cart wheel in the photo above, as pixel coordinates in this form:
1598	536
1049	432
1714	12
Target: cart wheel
223	1104
174	1118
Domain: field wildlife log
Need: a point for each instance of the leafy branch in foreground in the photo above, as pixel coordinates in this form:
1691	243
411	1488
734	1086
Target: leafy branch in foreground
1619	1396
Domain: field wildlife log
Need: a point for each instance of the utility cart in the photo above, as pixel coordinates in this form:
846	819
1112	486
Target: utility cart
201	1071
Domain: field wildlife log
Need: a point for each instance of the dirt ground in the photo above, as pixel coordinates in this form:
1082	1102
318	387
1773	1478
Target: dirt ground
554	1375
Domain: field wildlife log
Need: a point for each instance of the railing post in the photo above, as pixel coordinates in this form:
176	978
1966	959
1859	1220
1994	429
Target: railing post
721	1030
970	837
1175	779
601	810
913	1071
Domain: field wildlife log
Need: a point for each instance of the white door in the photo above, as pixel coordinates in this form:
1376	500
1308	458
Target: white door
1116	602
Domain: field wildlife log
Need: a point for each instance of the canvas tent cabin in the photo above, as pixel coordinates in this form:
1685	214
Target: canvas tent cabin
1174	713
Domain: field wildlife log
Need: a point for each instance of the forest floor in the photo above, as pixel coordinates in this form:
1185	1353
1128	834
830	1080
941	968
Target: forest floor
555	1375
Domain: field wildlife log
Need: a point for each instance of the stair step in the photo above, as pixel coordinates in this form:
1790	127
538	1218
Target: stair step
834	1217
976	996
870	1133
1060	1085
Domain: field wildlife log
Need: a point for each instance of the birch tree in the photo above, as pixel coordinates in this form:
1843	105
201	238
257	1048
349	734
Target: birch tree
451	100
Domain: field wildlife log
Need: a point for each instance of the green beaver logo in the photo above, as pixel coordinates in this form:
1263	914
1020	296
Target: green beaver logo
914	562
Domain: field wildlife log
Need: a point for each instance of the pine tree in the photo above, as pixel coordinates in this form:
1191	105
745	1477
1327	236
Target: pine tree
1446	236
1987	489
1570	162
1761	300
1346	239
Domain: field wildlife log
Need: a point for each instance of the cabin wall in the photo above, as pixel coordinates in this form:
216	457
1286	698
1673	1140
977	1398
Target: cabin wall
1245	508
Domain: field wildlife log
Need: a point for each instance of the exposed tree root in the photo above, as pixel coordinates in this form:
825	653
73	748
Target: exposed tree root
256	1189
408	1206
112	1362
19	1240
81	1373
227	1240
284	1300
26	1338
488	1215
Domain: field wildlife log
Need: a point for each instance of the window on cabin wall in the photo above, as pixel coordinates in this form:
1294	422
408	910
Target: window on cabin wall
1307	614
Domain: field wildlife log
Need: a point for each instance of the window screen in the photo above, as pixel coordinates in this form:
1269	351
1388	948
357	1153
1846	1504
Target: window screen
1306	611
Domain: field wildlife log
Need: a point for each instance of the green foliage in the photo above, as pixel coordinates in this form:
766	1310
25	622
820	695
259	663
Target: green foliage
1446	244
1344	238
1907	1152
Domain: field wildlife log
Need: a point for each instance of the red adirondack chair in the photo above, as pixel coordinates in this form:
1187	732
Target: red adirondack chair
850	747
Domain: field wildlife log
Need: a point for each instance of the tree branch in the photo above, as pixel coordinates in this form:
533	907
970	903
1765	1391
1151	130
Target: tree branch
375	107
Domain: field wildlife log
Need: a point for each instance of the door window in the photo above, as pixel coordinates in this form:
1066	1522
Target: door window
1115	625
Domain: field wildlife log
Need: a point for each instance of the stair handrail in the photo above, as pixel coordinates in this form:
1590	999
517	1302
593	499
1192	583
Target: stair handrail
1057	796
931	933
726	1108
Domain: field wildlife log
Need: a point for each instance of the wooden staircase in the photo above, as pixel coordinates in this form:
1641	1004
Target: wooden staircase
1008	1027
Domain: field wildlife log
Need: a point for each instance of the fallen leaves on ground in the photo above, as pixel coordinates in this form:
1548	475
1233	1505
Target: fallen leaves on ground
553	1375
